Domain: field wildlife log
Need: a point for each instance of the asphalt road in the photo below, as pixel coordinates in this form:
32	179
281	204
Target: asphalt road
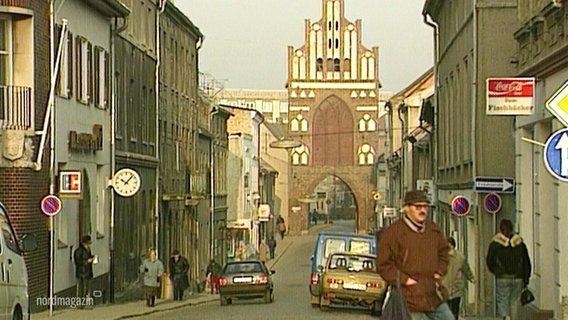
291	292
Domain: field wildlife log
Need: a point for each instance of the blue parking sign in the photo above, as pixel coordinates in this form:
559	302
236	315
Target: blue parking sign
556	154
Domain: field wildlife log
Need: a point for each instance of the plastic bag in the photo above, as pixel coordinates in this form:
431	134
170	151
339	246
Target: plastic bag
526	296
395	308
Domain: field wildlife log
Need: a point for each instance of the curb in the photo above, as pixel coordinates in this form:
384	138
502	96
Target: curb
173	307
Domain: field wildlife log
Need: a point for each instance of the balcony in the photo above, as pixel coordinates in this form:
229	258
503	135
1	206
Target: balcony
15	108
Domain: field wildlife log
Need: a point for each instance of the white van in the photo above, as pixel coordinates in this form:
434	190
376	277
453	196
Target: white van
14	300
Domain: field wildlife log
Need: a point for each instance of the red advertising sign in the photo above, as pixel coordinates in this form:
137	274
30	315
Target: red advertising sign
510	96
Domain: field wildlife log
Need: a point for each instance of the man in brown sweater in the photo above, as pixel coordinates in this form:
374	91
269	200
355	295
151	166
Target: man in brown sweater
414	250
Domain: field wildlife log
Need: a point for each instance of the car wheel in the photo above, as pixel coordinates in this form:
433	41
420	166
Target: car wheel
315	301
18	314
377	308
324	304
271	296
223	300
229	301
267	298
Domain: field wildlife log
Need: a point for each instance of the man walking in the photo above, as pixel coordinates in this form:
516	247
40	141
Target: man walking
413	251
508	259
179	266
84	260
454	280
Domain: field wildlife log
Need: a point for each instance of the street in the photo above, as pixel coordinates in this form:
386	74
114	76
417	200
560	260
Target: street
291	291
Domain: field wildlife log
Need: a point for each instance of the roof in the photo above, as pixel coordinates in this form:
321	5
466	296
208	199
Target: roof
109	8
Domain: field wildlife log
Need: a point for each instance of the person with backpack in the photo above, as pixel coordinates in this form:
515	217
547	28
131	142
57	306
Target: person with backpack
508	260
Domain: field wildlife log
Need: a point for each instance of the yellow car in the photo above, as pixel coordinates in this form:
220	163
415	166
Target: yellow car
352	279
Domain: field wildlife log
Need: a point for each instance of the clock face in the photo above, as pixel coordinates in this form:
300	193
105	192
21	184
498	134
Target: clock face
126	182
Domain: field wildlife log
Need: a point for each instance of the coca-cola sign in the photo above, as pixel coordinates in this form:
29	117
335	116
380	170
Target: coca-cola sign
510	96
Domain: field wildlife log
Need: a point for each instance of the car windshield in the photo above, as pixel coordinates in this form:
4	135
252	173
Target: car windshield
245	267
351	263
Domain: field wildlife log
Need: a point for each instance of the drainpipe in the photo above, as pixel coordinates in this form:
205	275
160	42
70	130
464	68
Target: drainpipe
213	112
161	8
114	33
52	151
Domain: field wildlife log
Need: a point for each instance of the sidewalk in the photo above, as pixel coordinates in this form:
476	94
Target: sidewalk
138	308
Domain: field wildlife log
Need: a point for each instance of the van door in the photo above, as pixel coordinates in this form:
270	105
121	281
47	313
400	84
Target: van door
11	265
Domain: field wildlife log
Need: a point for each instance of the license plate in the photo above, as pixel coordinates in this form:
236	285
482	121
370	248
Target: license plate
354	286
242	279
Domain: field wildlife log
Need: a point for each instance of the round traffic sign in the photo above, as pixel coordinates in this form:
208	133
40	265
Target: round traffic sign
556	154
460	205
50	205
492	202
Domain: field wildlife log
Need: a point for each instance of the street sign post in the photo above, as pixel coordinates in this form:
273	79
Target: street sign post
556	154
460	205
494	184
558	104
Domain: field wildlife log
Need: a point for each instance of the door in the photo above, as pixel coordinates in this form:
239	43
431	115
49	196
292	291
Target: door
3	284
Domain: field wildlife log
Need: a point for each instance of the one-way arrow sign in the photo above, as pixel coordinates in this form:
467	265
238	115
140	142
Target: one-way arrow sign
494	184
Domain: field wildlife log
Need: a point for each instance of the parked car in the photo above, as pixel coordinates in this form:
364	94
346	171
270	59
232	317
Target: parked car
352	279
14	299
328	242
246	280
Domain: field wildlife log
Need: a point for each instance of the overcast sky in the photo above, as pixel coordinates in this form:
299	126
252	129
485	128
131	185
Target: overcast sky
246	40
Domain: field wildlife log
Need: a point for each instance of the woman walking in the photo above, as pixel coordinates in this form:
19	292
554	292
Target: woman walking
152	268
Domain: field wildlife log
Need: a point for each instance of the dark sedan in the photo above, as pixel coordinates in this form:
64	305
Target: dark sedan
246	280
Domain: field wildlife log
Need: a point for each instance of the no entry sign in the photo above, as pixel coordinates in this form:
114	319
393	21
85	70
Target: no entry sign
50	205
460	205
492	203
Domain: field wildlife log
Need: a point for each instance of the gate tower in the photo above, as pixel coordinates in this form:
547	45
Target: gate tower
333	93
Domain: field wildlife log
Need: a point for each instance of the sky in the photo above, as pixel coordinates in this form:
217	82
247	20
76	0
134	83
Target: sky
246	41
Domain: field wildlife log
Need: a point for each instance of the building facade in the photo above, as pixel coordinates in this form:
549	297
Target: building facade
178	108
83	148
273	104
24	94
136	141
333	92
468	142
541	40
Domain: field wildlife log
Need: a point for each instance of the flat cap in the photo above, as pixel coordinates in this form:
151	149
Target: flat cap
416	196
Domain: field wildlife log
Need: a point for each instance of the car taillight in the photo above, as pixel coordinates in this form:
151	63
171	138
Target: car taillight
374	285
338	281
314	279
262	279
222	281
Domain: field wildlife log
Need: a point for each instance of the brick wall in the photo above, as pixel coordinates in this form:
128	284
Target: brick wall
21	189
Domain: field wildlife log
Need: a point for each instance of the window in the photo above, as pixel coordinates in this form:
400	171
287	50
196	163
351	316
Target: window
16	105
64	85
366	154
367	124
101	78
9	237
84	70
299	124
319	64
336	65
5	51
300	156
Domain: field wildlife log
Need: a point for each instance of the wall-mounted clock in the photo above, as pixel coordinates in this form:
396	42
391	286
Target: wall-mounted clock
126	182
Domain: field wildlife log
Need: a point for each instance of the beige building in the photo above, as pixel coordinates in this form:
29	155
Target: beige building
273	104
542	53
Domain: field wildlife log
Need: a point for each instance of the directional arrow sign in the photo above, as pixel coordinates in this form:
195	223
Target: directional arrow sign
494	184
558	104
556	154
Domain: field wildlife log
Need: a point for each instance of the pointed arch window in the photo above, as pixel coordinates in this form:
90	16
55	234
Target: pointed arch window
366	154
300	156
366	123
299	123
